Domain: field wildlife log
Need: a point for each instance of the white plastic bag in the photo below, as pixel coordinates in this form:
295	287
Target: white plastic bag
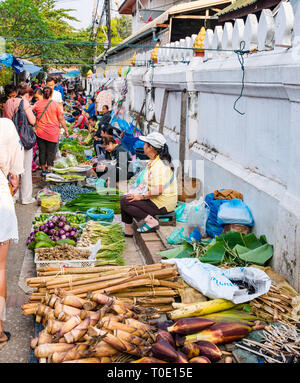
197	215
214	282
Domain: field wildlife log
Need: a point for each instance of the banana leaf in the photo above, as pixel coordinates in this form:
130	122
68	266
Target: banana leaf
214	254
184	251
258	256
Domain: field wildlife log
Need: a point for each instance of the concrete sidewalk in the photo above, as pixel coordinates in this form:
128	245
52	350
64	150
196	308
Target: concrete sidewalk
17	350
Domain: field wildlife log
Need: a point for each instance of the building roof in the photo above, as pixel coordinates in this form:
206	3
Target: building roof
176	9
238	4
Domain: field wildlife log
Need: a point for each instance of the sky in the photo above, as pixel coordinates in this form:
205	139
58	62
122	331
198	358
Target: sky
83	10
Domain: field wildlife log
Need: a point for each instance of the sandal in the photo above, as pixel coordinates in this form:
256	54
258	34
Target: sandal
147	229
8	336
128	235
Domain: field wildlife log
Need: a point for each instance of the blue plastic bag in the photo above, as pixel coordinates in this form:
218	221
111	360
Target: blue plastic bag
235	211
213	228
177	237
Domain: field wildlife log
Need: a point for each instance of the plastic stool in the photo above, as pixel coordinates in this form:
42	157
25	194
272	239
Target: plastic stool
167	219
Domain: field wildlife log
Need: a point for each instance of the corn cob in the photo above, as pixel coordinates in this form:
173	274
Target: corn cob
220	333
201	308
190	325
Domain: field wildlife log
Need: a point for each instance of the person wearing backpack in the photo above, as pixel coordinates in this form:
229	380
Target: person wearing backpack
20	112
49	114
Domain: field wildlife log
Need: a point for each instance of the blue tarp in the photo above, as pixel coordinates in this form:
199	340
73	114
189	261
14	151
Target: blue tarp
32	69
11	61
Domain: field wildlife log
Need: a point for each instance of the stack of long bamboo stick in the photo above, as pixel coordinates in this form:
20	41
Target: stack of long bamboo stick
153	286
100	329
277	304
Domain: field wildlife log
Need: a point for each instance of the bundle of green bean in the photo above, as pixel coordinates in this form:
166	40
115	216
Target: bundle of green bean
106	198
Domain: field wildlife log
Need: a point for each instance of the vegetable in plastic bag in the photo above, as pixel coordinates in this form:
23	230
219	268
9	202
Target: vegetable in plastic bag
71	161
61	163
235	211
51	204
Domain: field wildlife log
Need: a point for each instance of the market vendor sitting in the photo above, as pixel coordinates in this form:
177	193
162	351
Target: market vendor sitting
81	121
160	181
116	169
89	109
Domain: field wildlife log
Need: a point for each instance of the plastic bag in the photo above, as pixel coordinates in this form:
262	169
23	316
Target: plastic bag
197	216
213	228
235	211
45	193
61	163
182	212
177	237
71	161
51	204
218	283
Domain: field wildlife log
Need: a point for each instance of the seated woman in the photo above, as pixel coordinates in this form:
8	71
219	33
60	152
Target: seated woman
160	180
114	172
90	107
81	121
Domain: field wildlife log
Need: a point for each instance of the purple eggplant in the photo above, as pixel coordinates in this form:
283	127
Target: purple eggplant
36	230
51	225
72	233
62	218
61	224
63	237
61	232
51	232
67	228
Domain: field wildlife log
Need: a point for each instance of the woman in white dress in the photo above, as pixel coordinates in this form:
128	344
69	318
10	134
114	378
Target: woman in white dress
11	166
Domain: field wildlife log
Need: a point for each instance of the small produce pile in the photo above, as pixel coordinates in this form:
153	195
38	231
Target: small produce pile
153	286
196	330
105	198
280	343
231	249
57	230
61	253
112	242
69	192
280	303
100	329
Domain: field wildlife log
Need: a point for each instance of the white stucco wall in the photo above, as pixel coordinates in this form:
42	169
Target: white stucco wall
256	153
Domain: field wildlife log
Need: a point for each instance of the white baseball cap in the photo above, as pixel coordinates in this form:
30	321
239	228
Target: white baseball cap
155	139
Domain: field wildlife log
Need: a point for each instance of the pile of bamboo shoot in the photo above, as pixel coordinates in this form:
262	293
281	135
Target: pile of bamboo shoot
100	329
280	303
153	286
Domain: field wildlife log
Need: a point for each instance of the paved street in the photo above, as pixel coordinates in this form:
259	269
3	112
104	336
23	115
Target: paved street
21	328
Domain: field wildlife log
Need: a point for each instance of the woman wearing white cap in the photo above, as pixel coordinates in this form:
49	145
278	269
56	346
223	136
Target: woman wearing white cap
162	195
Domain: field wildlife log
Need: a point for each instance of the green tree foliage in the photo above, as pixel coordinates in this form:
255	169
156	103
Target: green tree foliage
39	19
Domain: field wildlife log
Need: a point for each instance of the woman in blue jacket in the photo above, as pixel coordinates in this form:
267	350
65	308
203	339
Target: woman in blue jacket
90	107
